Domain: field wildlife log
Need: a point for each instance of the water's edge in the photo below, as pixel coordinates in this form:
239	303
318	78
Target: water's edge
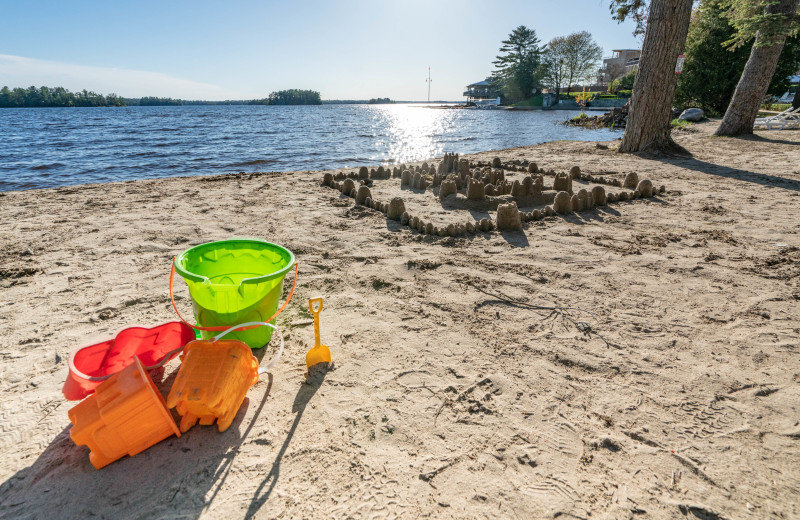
52	147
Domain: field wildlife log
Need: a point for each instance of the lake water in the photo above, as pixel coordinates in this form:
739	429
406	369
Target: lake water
48	147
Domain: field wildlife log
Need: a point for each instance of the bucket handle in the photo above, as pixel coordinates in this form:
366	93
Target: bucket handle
250	325
244	326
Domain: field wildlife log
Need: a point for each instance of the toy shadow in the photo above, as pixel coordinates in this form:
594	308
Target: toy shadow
176	478
304	395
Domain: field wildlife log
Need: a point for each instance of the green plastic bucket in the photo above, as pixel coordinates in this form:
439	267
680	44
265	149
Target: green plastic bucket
235	281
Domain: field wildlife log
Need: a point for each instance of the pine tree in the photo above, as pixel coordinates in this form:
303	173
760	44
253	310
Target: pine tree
772	21
712	69
517	64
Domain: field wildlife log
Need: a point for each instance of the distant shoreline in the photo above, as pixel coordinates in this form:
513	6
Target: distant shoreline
248	103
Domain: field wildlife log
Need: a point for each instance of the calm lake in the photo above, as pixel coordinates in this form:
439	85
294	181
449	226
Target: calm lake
48	147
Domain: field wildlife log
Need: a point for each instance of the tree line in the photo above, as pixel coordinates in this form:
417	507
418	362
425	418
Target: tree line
55	97
151	101
33	97
712	68
290	97
737	52
761	25
523	66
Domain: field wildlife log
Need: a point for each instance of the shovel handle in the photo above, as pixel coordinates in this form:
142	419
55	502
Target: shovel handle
311	302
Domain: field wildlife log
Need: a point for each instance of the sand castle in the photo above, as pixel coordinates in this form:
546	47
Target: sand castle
396	209
508	217
458	184
363	194
631	180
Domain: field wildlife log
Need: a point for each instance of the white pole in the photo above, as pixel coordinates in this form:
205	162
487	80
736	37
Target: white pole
429	83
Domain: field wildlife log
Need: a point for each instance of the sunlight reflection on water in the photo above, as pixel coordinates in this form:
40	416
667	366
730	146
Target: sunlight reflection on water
412	132
46	147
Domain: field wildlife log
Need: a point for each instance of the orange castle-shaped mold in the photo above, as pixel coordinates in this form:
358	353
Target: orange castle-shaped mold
125	416
212	382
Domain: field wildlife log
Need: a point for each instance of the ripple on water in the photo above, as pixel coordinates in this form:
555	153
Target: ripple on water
253	163
47	166
101	145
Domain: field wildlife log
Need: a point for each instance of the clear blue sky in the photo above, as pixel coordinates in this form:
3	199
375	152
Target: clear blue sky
245	49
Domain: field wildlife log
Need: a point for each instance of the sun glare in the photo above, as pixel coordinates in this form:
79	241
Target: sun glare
412	132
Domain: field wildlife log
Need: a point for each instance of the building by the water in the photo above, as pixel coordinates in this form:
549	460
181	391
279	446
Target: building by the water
480	91
621	62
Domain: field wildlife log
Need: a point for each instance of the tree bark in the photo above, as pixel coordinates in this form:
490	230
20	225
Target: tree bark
796	101
648	127
752	87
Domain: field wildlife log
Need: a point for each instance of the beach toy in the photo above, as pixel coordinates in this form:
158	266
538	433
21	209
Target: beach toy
214	378
90	366
235	281
125	416
319	353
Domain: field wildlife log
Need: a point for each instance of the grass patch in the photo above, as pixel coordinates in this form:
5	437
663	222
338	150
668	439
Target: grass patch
535	101
677	123
780	107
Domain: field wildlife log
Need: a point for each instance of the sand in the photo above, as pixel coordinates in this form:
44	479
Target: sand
669	388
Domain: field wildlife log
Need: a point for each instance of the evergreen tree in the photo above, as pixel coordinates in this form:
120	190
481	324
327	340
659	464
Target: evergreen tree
151	101
291	97
712	70
54	97
769	22
517	67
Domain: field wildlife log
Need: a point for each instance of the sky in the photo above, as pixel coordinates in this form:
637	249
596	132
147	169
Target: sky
245	49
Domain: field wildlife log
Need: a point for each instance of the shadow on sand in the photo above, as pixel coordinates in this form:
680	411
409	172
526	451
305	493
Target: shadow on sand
176	478
304	395
763	179
519	238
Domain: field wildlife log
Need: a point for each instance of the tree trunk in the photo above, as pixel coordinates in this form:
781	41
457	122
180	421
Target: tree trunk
796	102
648	127
752	87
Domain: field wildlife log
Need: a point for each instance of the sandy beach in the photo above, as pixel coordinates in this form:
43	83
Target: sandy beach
669	387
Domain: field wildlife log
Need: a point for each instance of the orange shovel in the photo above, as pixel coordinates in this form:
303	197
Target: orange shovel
320	353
